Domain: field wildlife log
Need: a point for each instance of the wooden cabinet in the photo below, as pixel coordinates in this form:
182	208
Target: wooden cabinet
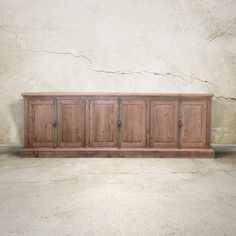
117	125
133	123
41	131
163	123
103	123
71	122
194	129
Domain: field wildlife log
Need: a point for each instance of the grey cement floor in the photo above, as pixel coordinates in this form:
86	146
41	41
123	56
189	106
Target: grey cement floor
117	197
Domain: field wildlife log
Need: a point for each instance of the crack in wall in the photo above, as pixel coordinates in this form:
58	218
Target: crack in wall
226	98
128	72
59	53
223	33
167	74
204	81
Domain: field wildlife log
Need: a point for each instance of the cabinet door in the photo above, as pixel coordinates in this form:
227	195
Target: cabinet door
133	123
103	123
164	123
41	131
71	123
193	131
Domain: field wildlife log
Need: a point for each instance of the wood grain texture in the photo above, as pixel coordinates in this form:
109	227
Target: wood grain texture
164	120
133	122
122	125
87	122
193	132
26	122
71	123
120	153
208	131
103	123
40	123
67	94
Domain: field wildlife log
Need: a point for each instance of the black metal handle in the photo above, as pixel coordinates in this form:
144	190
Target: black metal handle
180	123
119	123
54	123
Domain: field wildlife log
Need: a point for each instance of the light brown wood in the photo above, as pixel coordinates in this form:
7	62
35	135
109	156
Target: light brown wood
26	122
87	119
193	132
40	123
133	122
148	123
116	124
103	123
208	124
71	123
164	120
112	152
69	94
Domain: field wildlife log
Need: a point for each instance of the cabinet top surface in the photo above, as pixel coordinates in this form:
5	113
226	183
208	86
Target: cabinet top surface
39	94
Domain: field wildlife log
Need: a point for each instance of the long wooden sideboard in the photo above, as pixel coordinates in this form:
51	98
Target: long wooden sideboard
117	125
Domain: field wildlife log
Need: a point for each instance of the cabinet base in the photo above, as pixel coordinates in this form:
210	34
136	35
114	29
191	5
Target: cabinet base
119	153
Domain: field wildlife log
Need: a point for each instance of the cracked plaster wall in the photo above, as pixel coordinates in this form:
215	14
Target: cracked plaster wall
118	46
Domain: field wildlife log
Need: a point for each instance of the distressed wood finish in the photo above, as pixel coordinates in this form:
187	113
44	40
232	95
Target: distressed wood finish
133	123
164	119
71	123
103	122
26	122
41	131
117	125
193	132
112	152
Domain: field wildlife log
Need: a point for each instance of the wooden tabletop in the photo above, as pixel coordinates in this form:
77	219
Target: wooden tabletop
39	94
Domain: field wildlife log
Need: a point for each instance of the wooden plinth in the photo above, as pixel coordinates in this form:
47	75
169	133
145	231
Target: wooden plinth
119	153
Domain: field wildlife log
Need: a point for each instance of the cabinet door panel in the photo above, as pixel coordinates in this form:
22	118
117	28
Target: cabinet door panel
163	123
41	131
133	123
71	123
193	132
103	123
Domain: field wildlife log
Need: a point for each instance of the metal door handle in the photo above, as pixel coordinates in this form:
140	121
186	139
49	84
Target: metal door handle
180	123
54	123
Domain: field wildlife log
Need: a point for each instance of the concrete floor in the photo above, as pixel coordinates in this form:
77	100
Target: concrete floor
117	197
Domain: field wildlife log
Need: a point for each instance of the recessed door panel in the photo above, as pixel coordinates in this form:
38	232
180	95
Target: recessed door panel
163	123
103	123
133	123
193	131
41	131
71	123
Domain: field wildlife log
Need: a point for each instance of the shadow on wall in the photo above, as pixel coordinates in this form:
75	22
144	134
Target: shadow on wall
223	121
17	112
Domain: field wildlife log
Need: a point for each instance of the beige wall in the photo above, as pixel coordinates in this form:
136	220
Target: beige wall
118	46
